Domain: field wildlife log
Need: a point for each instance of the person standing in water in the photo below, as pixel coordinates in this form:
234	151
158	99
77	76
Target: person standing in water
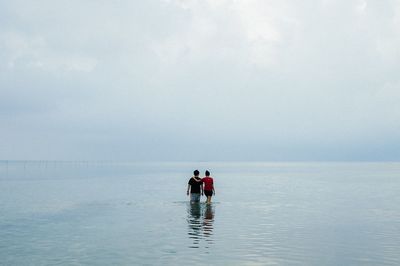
209	189
195	186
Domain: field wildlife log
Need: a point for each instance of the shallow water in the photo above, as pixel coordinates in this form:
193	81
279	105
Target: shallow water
121	213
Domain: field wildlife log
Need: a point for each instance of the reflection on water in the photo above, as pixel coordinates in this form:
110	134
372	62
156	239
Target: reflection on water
79	213
200	223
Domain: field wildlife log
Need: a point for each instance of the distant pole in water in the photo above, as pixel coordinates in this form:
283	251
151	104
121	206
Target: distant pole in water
7	168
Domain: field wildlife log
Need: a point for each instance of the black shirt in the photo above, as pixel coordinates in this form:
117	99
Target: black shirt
194	185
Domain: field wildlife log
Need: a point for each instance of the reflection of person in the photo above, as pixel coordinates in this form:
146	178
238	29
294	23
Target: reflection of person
195	226
195	186
200	224
208	221
208	213
209	189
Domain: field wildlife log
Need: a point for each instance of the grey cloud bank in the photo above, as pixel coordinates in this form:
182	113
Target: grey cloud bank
200	80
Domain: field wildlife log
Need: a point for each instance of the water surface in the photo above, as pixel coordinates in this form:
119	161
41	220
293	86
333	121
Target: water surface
122	213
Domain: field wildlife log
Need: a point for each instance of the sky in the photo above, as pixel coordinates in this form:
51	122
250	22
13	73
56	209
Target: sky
200	80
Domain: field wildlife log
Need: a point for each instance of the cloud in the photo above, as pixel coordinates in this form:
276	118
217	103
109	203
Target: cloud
21	51
237	80
245	32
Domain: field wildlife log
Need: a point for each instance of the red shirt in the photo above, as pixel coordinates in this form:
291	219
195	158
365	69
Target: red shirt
208	183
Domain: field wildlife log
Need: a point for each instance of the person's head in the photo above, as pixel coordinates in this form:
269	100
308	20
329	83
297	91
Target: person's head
207	173
196	172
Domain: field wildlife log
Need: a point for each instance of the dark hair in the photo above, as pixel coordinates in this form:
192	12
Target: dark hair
207	173
196	172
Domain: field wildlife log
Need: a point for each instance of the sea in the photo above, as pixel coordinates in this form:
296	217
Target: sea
263	213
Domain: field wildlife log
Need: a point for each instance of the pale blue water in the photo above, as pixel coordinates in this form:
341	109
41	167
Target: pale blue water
108	213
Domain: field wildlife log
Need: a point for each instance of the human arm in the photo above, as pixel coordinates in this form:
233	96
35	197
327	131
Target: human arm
201	190
187	191
213	188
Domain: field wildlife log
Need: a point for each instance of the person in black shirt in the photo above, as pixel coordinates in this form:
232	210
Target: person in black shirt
195	186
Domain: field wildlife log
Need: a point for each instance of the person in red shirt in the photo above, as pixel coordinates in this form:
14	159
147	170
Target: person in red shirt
209	189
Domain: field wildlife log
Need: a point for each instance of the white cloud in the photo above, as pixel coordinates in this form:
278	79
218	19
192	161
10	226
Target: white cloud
23	51
245	32
252	74
361	7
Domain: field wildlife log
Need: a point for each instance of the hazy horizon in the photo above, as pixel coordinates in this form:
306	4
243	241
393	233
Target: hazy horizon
173	80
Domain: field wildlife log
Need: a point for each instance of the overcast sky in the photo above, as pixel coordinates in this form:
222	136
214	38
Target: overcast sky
200	80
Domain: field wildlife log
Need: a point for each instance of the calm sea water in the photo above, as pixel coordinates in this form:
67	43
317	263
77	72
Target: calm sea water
115	213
